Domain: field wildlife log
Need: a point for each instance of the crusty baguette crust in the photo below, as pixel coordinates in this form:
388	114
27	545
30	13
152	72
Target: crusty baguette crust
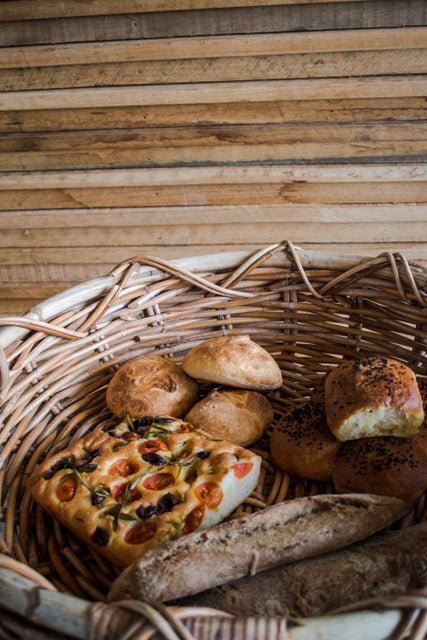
285	532
386	564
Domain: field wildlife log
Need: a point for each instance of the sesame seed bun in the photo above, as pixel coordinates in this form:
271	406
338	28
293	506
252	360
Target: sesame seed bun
302	445
372	397
384	465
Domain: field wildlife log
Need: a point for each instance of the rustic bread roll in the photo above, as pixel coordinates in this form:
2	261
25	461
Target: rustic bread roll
385	465
302	445
151	385
235	361
372	397
238	415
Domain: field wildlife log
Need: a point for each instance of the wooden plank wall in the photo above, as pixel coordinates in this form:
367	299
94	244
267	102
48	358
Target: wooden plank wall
182	127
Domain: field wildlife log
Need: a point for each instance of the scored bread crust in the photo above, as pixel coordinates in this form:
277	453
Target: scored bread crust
124	491
235	361
151	385
238	415
369	397
285	532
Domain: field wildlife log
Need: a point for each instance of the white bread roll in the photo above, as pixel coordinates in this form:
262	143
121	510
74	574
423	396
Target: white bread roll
235	361
237	415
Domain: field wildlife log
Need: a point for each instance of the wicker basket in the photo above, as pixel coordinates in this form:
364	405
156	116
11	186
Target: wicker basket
308	309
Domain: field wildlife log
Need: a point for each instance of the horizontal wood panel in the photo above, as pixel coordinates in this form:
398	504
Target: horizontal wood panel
173	129
241	46
174	146
215	92
231	20
191	234
215	175
128	117
315	65
324	193
172	216
97	255
38	9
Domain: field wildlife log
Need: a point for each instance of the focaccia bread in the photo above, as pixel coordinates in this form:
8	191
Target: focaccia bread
129	487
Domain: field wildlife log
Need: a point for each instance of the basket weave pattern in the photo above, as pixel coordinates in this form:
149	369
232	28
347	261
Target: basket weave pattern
308	310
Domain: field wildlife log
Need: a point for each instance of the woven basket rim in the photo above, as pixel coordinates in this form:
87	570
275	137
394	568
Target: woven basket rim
85	290
282	254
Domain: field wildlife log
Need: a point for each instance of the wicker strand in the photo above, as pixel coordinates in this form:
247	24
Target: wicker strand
250	264
192	278
307	310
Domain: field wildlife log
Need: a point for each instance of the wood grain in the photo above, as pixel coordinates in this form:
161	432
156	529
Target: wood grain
249	45
263	67
215	92
10	10
262	18
183	128
348	110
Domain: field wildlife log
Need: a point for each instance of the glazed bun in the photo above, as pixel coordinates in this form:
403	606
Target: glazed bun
237	415
302	445
151	385
372	397
235	361
386	466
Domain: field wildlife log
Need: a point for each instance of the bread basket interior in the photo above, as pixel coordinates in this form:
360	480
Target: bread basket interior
309	310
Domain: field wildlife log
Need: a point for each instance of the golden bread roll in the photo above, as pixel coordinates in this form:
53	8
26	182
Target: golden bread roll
235	361
387	466
302	445
238	415
151	385
372	397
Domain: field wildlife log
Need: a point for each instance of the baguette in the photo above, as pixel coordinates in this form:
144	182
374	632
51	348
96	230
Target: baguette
282	533
386	564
